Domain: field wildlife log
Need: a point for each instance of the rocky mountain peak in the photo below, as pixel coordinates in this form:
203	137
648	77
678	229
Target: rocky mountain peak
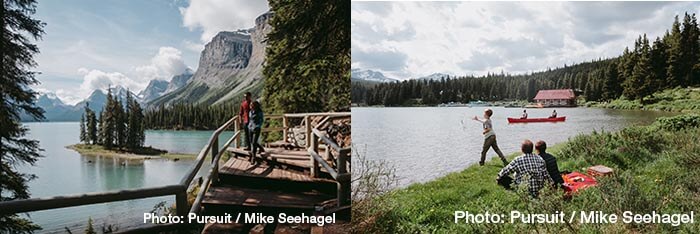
231	63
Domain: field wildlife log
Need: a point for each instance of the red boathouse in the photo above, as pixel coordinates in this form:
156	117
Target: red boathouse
556	97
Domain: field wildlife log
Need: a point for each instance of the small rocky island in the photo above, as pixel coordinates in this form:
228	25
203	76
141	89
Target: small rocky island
140	153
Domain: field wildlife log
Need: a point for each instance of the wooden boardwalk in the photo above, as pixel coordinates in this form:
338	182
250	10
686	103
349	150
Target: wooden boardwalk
295	158
307	175
276	183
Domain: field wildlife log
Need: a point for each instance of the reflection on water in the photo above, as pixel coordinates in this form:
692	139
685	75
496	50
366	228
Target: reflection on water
427	142
63	172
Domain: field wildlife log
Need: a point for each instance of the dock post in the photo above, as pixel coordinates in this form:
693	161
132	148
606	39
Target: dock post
307	120
314	167
327	154
236	128
285	126
343	179
181	203
214	152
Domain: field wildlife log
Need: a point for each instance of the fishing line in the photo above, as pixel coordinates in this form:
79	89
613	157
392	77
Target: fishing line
464	126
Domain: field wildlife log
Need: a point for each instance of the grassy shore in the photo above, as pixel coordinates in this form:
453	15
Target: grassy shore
676	100
657	168
142	153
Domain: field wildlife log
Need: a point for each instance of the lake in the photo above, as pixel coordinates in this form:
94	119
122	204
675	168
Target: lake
63	172
424	143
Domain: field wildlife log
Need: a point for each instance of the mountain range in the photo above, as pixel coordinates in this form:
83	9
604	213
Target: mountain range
57	110
369	75
434	76
230	65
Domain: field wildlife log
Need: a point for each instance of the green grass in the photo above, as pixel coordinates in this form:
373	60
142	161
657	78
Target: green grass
676	100
141	153
657	168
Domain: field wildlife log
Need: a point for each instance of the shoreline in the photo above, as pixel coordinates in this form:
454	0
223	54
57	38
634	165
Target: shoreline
640	155
96	150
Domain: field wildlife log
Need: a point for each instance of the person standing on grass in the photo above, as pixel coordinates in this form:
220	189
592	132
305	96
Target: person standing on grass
489	138
550	162
255	123
243	116
528	166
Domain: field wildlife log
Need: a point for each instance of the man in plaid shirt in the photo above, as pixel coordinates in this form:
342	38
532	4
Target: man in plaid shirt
529	166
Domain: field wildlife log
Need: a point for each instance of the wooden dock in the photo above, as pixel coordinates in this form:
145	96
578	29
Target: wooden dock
285	178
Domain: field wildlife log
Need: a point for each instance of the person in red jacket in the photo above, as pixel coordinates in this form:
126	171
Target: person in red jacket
243	116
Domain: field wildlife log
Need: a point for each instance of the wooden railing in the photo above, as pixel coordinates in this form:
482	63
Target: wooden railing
179	190
339	173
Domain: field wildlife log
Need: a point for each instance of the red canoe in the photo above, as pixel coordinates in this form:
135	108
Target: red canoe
536	120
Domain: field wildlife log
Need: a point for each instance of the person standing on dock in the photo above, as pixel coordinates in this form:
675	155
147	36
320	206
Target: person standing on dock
489	138
255	123
243	116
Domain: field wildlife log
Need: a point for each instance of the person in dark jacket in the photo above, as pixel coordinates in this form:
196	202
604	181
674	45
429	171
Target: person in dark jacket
243	116
255	123
550	163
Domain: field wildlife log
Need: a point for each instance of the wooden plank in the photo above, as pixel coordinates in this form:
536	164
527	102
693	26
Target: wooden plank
294	158
335	114
240	196
237	166
35	204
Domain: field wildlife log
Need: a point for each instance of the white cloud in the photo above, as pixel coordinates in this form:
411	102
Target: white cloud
164	65
194	46
413	39
213	16
94	79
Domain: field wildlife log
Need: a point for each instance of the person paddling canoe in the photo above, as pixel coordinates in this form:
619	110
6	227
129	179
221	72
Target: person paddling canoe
524	116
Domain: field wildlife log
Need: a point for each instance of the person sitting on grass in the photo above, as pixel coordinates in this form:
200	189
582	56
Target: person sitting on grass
529	166
550	162
489	138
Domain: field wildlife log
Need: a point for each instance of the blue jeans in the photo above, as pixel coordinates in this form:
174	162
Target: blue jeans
254	137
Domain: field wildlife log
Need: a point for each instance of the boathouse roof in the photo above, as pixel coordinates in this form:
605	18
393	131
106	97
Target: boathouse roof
555	94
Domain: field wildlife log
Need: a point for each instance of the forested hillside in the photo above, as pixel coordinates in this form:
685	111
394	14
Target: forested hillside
665	62
308	57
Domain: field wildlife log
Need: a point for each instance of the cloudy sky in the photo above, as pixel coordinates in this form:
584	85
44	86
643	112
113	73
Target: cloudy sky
413	39
90	44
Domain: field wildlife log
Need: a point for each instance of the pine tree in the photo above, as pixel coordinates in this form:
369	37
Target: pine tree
18	30
91	126
611	86
120	128
135	135
100	129
641	83
317	63
659	64
690	48
83	133
673	41
108	121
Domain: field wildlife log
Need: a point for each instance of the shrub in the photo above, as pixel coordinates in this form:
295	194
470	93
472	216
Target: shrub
678	122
